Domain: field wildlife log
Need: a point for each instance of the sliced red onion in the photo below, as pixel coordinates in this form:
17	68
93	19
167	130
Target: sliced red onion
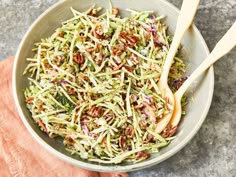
148	99
85	129
63	82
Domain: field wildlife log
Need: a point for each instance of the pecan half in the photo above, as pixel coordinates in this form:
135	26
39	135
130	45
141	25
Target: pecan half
95	111
142	155
71	91
79	58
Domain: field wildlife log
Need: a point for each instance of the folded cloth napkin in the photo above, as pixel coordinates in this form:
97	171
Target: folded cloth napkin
20	154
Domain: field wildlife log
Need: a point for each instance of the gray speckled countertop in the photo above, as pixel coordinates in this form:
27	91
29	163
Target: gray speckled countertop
212	152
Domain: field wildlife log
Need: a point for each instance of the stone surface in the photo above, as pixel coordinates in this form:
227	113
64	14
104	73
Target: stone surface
212	152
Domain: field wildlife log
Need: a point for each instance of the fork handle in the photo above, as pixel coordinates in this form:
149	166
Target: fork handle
185	19
227	42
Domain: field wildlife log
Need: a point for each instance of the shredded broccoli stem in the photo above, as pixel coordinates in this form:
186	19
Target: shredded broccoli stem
94	83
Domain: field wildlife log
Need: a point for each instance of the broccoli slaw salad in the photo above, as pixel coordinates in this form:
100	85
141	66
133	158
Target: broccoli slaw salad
93	82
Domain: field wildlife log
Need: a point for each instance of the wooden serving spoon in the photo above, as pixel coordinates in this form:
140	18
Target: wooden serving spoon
185	19
227	42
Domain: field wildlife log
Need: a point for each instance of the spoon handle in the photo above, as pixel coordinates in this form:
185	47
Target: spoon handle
185	19
227	42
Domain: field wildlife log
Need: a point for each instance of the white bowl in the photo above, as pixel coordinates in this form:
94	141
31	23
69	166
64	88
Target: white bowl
195	52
